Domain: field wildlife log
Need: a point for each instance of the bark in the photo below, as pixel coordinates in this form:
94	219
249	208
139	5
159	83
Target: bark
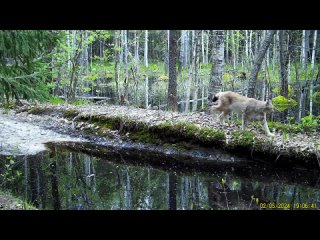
305	48
189	79
227	47
257	63
207	47
117	65
202	46
196	72
283	69
146	95
126	79
247	45
215	83
172	88
234	55
137	65
313	62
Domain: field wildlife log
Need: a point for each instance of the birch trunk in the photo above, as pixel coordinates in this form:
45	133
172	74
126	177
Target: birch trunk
146	93
233	50
189	79
283	69
257	63
313	62
137	65
215	83
227	47
202	46
305	48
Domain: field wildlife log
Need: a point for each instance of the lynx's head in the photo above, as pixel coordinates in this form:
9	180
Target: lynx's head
269	106
213	99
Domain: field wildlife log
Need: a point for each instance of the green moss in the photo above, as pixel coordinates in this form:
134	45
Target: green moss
188	132
37	110
242	139
208	135
70	113
146	137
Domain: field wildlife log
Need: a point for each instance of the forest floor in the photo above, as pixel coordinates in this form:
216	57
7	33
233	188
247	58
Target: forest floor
20	136
121	123
9	202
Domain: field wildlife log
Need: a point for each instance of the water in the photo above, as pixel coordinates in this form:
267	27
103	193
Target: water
63	179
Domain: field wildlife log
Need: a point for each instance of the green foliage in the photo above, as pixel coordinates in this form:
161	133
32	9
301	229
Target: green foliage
316	97
163	78
24	63
288	128
310	123
56	100
281	103
8	174
226	77
290	91
307	74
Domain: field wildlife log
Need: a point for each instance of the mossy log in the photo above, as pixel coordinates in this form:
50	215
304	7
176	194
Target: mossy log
184	135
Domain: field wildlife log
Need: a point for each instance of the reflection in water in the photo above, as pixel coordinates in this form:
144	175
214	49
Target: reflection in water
69	180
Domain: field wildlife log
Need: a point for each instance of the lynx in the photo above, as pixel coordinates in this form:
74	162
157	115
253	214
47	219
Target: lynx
250	108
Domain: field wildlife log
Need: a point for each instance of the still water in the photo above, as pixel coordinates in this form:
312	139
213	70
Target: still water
63	179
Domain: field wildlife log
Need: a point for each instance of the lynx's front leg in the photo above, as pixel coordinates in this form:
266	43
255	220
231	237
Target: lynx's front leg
222	117
244	121
265	126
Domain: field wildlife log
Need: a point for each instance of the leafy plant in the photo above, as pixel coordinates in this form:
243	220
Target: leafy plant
8	175
290	91
281	103
56	100
316	97
310	123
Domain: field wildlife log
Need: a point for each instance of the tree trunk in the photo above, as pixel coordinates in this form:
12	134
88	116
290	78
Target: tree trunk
283	70
250	48
227	47
207	47
126	79
217	42
172	88
137	66
202	46
313	62
234	55
305	48
117	65
146	95
182	53
247	46
189	79
196	75
257	63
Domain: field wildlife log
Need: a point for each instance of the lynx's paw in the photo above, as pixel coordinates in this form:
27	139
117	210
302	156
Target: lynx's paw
270	135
